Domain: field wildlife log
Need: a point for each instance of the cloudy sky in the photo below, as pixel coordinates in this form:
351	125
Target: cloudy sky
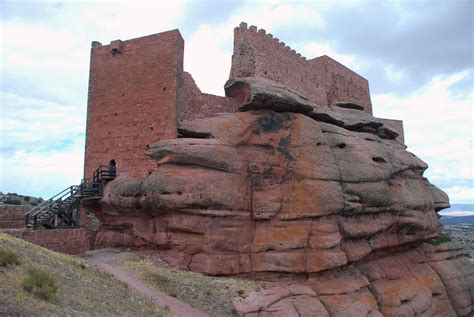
417	56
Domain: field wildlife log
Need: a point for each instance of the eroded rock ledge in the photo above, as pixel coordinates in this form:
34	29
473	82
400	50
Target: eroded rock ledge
291	191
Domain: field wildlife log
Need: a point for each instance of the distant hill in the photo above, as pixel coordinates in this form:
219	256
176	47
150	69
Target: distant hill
458	214
446	220
19	200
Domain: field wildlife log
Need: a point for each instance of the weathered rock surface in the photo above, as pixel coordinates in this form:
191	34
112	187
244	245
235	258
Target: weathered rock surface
288	189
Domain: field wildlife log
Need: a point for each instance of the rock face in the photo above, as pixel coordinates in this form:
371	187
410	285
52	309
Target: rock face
291	191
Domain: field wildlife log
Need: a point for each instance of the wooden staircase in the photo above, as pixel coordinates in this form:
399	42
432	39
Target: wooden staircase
63	209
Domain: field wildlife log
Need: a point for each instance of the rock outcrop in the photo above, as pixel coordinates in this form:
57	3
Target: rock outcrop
286	190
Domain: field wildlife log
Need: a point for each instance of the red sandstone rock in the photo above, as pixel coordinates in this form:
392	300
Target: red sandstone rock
245	204
258	93
290	300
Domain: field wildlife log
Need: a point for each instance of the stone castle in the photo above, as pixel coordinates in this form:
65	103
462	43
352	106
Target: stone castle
288	178
138	91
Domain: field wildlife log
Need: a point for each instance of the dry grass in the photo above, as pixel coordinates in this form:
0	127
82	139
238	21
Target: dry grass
8	258
41	284
82	289
211	294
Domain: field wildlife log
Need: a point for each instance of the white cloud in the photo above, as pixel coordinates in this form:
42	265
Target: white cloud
438	126
208	58
461	194
42	174
316	49
394	74
31	124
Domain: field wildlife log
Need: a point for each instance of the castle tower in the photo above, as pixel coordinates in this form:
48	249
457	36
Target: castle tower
132	101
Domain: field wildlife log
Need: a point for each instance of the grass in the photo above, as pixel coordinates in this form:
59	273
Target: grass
211	294
8	258
83	290
40	284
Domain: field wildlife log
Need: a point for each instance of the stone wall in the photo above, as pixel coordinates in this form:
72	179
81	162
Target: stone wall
12	216
397	126
69	241
322	80
192	103
132	100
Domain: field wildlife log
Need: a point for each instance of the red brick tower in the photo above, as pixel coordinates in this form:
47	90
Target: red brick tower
132	101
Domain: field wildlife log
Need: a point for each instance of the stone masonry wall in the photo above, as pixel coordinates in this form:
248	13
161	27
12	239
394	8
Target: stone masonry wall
69	241
193	104
397	126
12	216
132	100
322	80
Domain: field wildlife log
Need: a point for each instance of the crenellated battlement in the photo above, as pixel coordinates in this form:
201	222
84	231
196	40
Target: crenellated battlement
268	36
322	80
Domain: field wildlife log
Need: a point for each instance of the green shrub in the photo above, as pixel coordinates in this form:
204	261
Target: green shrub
173	294
12	201
8	257
27	198
439	240
160	278
34	203
12	194
40	200
467	255
40	284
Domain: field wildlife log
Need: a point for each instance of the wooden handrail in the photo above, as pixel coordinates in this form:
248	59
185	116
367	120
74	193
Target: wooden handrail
65	202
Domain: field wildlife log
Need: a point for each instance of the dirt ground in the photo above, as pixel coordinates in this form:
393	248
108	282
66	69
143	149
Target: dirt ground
179	292
110	261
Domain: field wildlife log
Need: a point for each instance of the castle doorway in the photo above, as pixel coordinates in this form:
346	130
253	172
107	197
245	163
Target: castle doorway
112	168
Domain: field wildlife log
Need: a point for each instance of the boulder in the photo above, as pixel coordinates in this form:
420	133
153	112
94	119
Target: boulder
260	93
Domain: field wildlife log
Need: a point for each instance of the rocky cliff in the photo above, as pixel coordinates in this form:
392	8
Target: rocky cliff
289	191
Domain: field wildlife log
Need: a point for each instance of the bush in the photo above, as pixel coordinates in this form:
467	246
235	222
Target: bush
40	199
27	198
439	240
8	257
12	201
34	203
40	284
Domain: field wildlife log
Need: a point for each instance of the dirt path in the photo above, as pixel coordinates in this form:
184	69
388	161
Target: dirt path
105	259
